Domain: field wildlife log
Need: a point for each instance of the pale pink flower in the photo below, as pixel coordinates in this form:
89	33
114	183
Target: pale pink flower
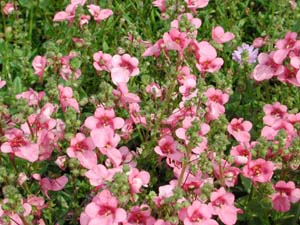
39	64
32	97
61	162
98	175
66	71
137	179
154	90
274	112
197	214
134	112
286	193
8	8
176	40
259	170
106	140
219	36
98	13
104	118
57	184
161	4
267	67
223	205
2	83
84	19
194	22
207	60
193	5
103	210
125	96
260	42
66	98
154	50
123	67
68	14
239	129
102	61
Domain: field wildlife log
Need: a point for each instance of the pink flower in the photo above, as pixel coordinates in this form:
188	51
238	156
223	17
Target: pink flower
194	22
267	67
97	175
154	90
137	180
197	214
260	42
241	154
31	96
18	145
8	8
98	13
123	67
68	14
176	40
106	140
140	215
57	184
65	98
39	64
207	60
161	4
219	36
154	49
223	205
66	71
274	112
103	210
124	96
167	147
104	118
84	19
2	83
239	129
259	170
286	193
82	149
196	4
102	61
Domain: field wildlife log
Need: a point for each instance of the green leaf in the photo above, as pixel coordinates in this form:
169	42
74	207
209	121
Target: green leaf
17	85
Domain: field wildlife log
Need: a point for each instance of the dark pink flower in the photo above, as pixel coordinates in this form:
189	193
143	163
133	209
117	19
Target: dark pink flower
140	215
259	170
